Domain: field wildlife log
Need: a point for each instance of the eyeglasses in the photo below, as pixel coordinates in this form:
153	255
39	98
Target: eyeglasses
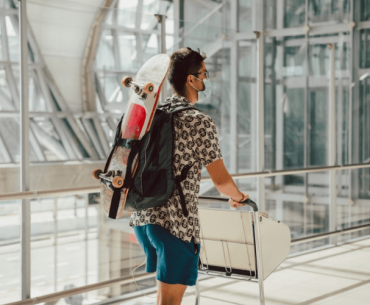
206	74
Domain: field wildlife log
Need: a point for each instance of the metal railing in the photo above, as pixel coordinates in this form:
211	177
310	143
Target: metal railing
127	280
67	293
96	189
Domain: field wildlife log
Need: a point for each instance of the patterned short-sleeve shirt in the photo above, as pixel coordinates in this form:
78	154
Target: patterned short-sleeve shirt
195	143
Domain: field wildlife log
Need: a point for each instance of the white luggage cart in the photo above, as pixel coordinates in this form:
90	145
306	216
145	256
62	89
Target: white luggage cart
235	246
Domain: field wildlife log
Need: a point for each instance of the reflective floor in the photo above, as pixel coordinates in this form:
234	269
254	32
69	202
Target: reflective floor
339	276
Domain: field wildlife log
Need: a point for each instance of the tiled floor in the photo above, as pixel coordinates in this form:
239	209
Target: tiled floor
338	276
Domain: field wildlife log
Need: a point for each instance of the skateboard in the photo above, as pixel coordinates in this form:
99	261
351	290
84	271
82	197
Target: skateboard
136	122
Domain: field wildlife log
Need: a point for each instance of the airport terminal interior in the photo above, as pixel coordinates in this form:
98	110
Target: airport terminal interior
291	102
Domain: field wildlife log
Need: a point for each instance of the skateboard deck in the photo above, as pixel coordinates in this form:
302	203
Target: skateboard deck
227	242
142	104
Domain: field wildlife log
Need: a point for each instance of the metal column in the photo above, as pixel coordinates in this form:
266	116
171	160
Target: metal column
234	75
332	147
25	155
260	120
162	20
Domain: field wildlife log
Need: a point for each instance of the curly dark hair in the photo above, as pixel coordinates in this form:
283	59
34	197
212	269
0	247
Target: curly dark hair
184	62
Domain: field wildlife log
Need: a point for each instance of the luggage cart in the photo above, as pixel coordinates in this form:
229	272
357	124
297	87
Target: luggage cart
235	246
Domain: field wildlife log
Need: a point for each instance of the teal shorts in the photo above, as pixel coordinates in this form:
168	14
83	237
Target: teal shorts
174	260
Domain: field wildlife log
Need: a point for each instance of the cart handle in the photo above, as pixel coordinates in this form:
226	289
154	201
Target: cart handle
248	201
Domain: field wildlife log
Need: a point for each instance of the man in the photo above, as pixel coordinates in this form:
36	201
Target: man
170	239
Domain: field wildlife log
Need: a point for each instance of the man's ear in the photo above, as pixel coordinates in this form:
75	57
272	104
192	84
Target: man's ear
189	79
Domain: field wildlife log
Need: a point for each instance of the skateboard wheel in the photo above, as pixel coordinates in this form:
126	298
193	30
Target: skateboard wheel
126	81
117	182
96	173
148	88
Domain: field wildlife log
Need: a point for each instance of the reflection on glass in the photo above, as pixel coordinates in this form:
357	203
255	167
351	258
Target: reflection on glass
294	13
293	109
328	10
318	127
1	42
245	15
13	42
365	10
365	48
36	98
319	59
294	61
48	139
113	90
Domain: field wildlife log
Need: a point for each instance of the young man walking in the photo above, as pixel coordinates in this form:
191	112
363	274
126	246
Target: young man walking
169	238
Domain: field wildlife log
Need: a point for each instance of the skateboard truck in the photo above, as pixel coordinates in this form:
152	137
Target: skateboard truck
141	90
109	176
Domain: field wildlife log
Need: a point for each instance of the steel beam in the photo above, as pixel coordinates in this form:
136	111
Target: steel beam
162	20
25	155
234	103
260	120
332	146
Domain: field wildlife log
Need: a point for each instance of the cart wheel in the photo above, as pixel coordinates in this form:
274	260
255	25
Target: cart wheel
148	88
96	173
126	81
117	182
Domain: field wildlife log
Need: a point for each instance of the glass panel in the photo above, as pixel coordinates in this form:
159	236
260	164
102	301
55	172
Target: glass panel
13	42
318	112
113	90
294	61
352	212
364	139
36	99
365	48
245	15
285	70
10	131
10	251
319	59
48	139
109	133
130	59
150	45
80	246
247	94
127	13
6	100
64	243
328	10
1	41
294	13
105	53
365	10
148	21
293	116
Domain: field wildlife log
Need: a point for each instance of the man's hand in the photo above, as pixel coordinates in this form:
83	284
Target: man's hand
235	204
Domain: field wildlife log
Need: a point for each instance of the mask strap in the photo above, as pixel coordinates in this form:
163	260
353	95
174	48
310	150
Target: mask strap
193	86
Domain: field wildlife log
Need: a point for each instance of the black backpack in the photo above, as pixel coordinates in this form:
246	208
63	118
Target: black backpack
154	181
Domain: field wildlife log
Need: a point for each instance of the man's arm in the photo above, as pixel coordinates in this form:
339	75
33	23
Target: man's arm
222	180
